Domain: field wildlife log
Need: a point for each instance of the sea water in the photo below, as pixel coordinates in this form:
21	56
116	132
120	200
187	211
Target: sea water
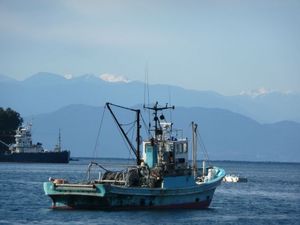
271	196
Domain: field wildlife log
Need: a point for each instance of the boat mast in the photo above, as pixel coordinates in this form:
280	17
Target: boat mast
138	139
135	150
59	140
194	141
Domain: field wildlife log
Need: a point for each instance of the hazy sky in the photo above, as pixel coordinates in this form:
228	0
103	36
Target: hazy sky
223	45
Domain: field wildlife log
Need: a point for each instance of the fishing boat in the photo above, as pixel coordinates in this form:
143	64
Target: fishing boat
24	151
161	179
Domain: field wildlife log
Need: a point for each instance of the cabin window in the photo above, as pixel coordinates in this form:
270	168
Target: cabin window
181	147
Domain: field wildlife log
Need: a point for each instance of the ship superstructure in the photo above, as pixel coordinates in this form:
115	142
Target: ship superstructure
23	150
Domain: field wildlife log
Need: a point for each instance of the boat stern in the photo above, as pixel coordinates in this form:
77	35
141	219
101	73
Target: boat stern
85	196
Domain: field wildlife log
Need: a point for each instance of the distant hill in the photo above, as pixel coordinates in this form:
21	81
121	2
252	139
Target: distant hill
6	79
46	92
226	135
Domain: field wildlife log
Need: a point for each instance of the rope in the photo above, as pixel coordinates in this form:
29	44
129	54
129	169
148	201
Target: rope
88	172
98	135
205	153
201	144
125	142
130	128
123	138
127	124
147	130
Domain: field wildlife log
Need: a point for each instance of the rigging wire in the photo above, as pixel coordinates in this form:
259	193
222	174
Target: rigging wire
202	145
132	133
99	131
131	156
135	149
131	129
205	153
123	138
147	130
127	124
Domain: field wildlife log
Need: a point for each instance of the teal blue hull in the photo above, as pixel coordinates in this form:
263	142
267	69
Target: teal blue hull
130	202
117	197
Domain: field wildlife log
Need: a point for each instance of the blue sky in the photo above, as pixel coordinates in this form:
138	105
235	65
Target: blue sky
226	46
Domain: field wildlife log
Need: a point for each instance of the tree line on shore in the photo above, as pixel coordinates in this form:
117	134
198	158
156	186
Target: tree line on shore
10	120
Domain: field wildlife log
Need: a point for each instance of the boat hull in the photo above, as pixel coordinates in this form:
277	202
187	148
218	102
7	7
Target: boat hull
114	197
39	157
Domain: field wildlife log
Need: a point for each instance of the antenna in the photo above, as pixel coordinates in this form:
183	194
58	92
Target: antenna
170	103
145	84
146	89
155	109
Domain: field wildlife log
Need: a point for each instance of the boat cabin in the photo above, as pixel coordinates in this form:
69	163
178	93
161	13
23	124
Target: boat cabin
167	149
24	141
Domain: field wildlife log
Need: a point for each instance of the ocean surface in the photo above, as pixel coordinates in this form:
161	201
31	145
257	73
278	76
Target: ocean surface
271	196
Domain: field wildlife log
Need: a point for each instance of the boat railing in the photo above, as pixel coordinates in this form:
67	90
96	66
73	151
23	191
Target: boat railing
106	176
91	164
111	181
76	185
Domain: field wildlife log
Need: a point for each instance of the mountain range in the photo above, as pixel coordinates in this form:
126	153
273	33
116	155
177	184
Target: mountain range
47	92
253	126
224	134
